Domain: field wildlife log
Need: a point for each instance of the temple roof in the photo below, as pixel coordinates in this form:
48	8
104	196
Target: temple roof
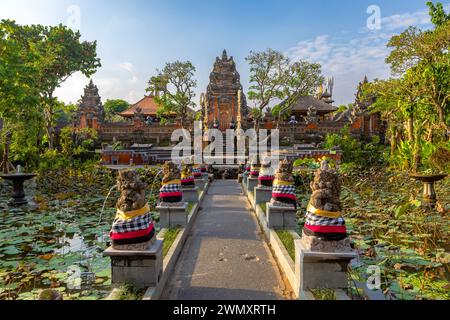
304	103
147	105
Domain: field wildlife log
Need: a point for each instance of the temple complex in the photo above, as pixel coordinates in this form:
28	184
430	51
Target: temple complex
310	120
222	95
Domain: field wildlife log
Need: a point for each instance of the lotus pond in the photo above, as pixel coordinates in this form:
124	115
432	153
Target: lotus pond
409	245
59	243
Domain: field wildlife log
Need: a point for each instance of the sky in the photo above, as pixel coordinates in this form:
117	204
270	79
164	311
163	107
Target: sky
136	37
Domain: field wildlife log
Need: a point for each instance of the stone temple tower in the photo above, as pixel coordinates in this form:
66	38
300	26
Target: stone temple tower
90	108
221	94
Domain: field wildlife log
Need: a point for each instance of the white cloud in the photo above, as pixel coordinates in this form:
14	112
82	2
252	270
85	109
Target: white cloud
349	58
127	66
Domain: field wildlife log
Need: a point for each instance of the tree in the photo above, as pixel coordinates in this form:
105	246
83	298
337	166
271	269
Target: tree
425	54
114	107
19	93
303	80
173	88
416	102
437	13
268	76
273	76
62	53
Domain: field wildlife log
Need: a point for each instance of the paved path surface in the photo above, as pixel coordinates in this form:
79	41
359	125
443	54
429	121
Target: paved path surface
225	256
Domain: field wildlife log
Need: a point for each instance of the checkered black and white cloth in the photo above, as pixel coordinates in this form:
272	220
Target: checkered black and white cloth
315	220
137	224
283	189
169	188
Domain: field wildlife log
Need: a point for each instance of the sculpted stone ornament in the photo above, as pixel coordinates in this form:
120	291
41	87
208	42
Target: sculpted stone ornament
266	176
170	192
133	227
187	177
325	229
283	192
254	170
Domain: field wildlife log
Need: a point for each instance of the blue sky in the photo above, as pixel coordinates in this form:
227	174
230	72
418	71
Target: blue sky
135	37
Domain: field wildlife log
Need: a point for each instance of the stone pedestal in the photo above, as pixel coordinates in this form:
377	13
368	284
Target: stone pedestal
284	218
205	176
142	269
316	270
173	216
190	195
252	183
263	194
201	183
245	179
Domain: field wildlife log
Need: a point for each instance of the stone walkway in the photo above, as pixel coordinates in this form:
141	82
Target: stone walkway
225	256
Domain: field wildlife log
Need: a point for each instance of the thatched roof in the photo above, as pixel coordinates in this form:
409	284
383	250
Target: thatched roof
304	103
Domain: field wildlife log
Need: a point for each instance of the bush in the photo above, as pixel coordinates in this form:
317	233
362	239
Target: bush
355	151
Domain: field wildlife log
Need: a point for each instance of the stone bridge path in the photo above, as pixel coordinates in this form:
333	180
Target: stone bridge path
226	256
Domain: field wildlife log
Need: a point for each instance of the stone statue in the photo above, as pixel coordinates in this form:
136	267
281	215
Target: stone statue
254	170
133	227
326	188
170	192
187	178
283	192
324	222
266	176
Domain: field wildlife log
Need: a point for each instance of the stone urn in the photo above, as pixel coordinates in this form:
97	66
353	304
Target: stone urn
429	193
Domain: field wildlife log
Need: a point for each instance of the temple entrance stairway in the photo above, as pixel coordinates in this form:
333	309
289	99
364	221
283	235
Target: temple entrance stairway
226	256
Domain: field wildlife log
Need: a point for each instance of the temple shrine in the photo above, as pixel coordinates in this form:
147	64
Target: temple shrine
222	95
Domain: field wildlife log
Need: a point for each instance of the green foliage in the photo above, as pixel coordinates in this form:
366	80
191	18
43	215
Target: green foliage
129	292
169	238
173	88
288	241
274	76
437	13
324	294
34	61
113	108
355	151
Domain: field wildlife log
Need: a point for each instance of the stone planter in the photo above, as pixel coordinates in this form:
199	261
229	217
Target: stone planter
190	195
315	269
172	216
284	218
141	269
262	194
